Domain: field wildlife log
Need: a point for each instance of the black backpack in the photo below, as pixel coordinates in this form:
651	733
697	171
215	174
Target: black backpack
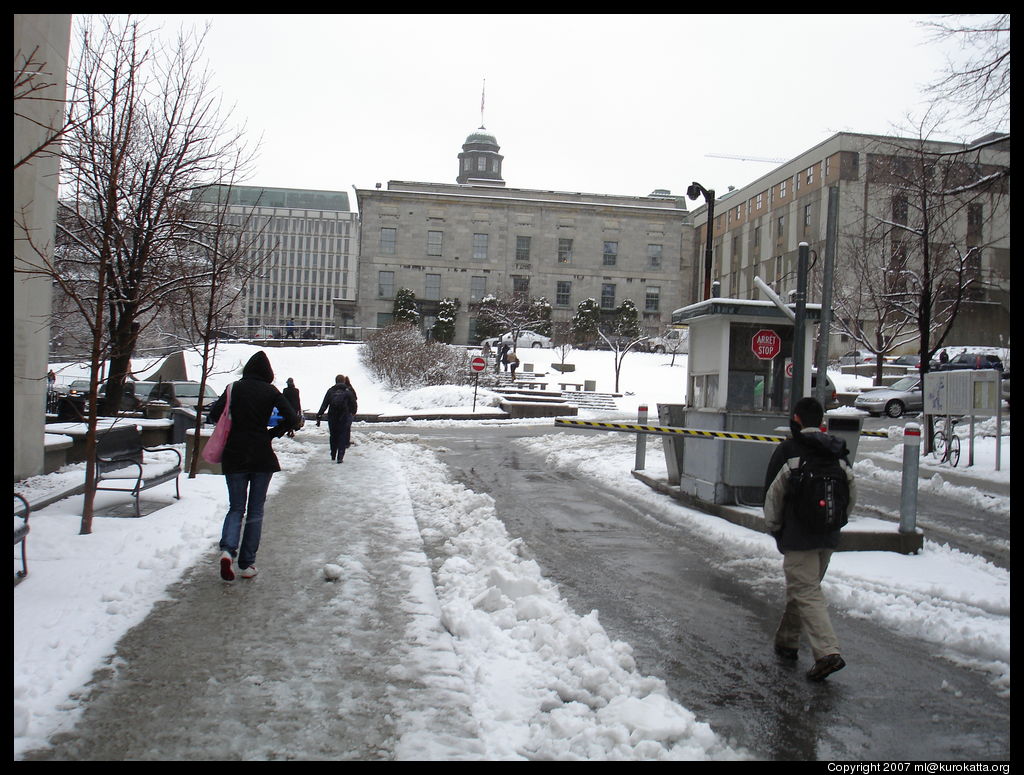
818	494
341	401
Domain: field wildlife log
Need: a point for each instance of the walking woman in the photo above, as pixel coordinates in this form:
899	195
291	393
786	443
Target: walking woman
340	404
249	461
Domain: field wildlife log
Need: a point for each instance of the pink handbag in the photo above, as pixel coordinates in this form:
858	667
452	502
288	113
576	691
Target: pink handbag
214	449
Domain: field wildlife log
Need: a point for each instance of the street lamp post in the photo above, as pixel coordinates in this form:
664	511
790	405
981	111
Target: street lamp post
695	190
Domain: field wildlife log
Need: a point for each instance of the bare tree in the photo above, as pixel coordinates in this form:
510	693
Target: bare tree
131	169
870	298
219	260
513	314
978	82
143	132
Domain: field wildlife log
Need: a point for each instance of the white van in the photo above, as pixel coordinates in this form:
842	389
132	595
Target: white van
675	340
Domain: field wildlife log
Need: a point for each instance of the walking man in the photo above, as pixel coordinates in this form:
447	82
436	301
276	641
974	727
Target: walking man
340	404
809	494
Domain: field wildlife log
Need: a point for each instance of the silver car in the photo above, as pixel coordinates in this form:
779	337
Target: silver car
901	396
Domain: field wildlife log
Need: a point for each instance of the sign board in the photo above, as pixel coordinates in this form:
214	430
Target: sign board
971	392
478	364
766	344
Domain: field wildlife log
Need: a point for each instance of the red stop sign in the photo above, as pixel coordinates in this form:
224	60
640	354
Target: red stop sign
478	364
766	344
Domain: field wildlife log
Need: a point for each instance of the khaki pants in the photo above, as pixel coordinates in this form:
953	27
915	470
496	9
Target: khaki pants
806	609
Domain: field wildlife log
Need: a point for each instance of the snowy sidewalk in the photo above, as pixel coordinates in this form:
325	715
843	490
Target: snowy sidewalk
352	644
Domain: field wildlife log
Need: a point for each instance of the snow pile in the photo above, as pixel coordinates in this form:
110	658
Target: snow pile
547	683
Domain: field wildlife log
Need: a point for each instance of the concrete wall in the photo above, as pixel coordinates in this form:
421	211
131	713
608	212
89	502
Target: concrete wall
35	207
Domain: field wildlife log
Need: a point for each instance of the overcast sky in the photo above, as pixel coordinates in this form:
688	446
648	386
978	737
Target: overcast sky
612	104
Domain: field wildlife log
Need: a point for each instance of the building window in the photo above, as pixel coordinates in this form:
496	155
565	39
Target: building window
563	291
782	189
432	287
522	248
654	256
757	236
385	284
434	241
467	164
807	217
481	164
810	175
780	226
608	296
652	299
477	288
480	246
975	217
564	250
611	253
760	198
900	209
520	286
387	241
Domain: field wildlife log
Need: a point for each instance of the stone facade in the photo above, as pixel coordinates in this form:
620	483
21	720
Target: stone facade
468	241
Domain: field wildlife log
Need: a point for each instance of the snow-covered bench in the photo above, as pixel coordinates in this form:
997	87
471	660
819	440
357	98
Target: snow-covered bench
120	466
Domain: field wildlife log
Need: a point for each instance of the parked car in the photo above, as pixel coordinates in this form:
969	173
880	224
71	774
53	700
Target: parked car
912	361
855	357
132	398
525	339
675	340
182	393
971	360
901	396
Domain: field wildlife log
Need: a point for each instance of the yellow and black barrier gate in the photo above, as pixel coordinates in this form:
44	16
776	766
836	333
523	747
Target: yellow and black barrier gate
665	430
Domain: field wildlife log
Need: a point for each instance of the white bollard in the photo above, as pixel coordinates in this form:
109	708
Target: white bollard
911	459
641	440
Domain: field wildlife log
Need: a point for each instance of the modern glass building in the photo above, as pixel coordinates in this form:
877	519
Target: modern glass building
307	242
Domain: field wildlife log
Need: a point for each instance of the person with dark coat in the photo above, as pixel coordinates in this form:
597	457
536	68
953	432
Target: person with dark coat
805	554
340	404
292	394
249	462
503	355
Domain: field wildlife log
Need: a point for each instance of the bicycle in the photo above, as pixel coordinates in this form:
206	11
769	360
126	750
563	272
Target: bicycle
947	449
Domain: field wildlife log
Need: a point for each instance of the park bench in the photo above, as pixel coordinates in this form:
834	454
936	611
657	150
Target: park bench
20	534
120	466
577	386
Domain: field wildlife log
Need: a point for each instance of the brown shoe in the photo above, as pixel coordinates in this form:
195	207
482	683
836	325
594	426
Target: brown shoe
825	666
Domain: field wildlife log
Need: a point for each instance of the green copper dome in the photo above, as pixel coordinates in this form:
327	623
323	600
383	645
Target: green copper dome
481	136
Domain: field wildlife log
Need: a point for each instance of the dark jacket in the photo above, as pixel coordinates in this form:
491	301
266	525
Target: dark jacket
788	533
253	398
348	406
292	394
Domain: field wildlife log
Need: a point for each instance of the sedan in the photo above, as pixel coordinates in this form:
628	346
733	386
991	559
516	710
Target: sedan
525	339
901	396
855	357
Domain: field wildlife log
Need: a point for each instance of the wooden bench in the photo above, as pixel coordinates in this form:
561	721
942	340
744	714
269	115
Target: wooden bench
119	452
20	534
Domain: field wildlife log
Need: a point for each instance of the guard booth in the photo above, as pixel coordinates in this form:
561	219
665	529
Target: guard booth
739	380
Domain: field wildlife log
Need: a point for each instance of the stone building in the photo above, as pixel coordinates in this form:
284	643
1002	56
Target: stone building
757	229
476	237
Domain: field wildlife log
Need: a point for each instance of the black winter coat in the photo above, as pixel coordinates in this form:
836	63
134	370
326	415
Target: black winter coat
349	405
253	398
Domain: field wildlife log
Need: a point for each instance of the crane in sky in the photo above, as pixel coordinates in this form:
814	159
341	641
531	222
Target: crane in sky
744	158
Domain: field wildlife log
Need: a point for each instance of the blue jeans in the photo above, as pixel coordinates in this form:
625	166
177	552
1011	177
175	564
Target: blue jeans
341	435
247	493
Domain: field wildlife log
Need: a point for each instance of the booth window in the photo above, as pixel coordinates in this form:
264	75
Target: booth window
755	384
